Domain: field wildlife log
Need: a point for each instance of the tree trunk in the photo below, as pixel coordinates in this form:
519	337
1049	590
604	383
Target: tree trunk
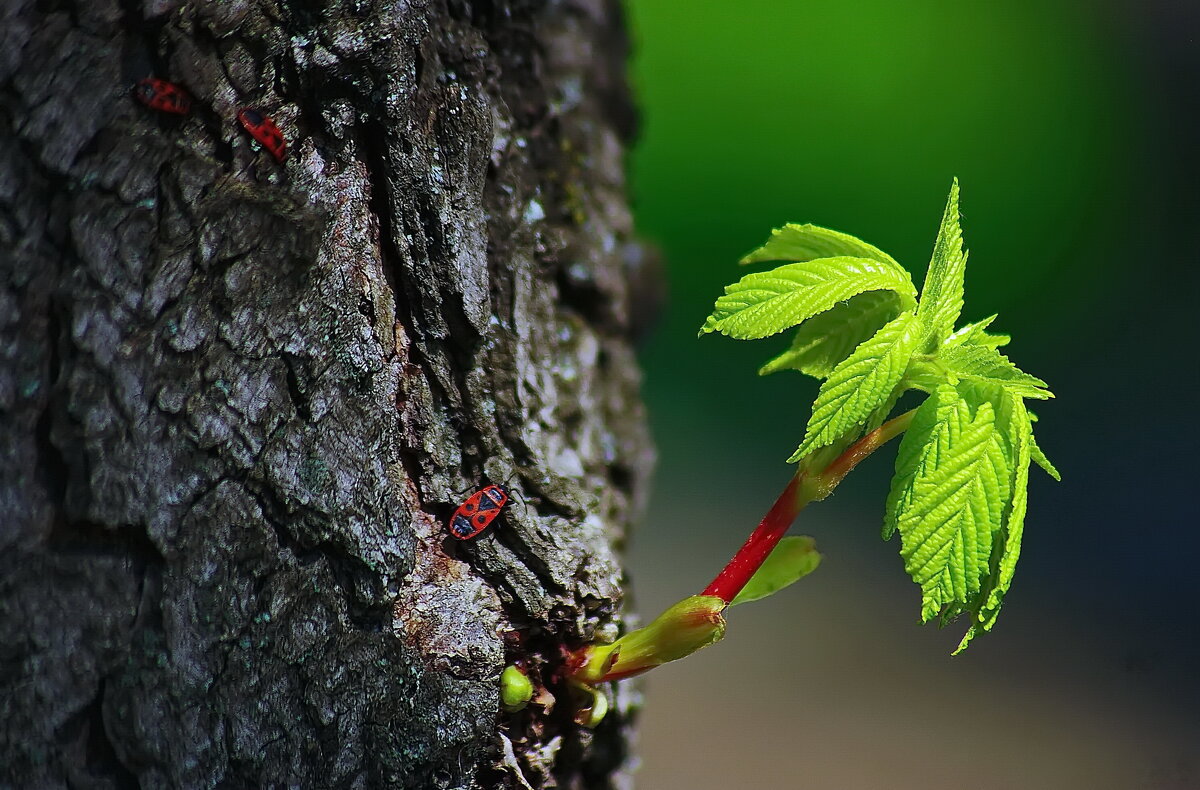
239	399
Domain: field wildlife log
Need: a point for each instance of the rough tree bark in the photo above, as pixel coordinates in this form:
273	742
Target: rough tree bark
239	399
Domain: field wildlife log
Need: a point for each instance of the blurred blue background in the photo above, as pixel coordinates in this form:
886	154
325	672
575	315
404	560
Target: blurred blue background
1072	128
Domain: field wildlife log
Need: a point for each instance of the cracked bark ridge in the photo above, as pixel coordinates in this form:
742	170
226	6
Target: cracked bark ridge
239	398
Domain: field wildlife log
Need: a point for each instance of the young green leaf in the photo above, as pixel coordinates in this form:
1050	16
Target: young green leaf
792	559
1035	451
826	339
953	504
1039	458
919	436
1014	426
764	303
974	334
942	294
860	384
984	364
795	242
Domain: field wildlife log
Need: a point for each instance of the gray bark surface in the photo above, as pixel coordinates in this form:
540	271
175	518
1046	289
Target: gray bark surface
239	399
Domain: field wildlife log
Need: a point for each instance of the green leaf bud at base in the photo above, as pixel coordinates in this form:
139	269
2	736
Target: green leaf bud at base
686	627
515	689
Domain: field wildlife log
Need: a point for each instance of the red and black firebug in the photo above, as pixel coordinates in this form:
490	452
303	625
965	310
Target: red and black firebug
264	130
162	96
478	511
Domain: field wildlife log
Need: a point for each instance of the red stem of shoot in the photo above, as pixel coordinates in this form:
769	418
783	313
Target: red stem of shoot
803	488
762	540
868	444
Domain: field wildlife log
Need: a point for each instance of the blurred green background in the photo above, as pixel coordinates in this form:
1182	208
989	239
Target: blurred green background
1072	129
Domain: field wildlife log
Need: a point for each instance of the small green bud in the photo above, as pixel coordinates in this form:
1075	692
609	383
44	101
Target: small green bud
515	689
591	714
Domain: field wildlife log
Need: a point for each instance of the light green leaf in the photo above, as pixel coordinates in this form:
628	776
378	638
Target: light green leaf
764	303
1013	424
920	434
951	506
826	339
791	560
1039	458
942	294
974	334
795	242
1017	431
860	384
988	365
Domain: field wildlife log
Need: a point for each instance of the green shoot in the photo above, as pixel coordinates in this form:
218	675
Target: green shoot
959	494
958	498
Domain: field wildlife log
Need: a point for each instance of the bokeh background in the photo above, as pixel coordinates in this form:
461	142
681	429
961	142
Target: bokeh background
1073	128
